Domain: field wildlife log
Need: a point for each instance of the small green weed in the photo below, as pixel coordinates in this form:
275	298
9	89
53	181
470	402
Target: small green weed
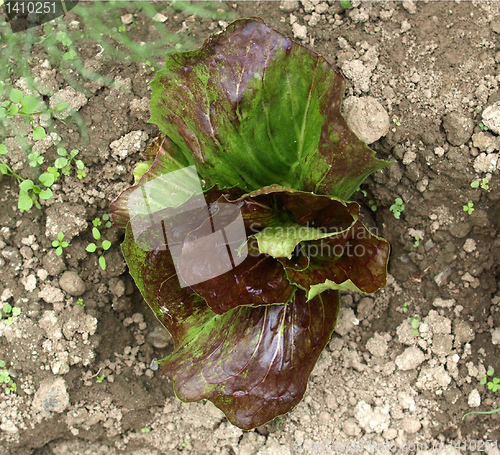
106	218
483	184
93	247
65	161
396	122
80	302
60	243
345	4
492	382
405	307
25	106
397	208
99	379
469	208
483	126
415	324
10	385
9	313
30	194
145	430
416	244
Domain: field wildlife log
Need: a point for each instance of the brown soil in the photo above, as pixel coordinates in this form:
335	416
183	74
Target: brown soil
434	67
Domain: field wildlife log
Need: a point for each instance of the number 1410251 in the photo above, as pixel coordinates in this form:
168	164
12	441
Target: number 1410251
30	7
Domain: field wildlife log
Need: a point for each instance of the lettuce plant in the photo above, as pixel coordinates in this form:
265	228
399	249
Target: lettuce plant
253	139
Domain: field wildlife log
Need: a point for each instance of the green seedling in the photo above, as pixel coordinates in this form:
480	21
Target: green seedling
93	247
493	383
345	4
416	244
469	208
30	194
405	307
66	160
106	218
279	422
26	106
99	379
9	313
66	41
396	122
415	324
11	386
60	243
372	205
35	159
151	67
145	430
397	208
483	126
483	184
80	302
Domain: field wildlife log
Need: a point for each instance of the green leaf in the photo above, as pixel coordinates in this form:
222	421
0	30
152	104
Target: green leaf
61	106
24	202
59	251
7	308
39	133
3	149
106	245
64	244
73	153
60	236
13	110
45	194
2	363
4	169
64	38
3	112
96	234
70	55
60	163
9	321
91	247
26	185
29	104
47	179
259	109
61	151
102	262
16	95
490	372
16	311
